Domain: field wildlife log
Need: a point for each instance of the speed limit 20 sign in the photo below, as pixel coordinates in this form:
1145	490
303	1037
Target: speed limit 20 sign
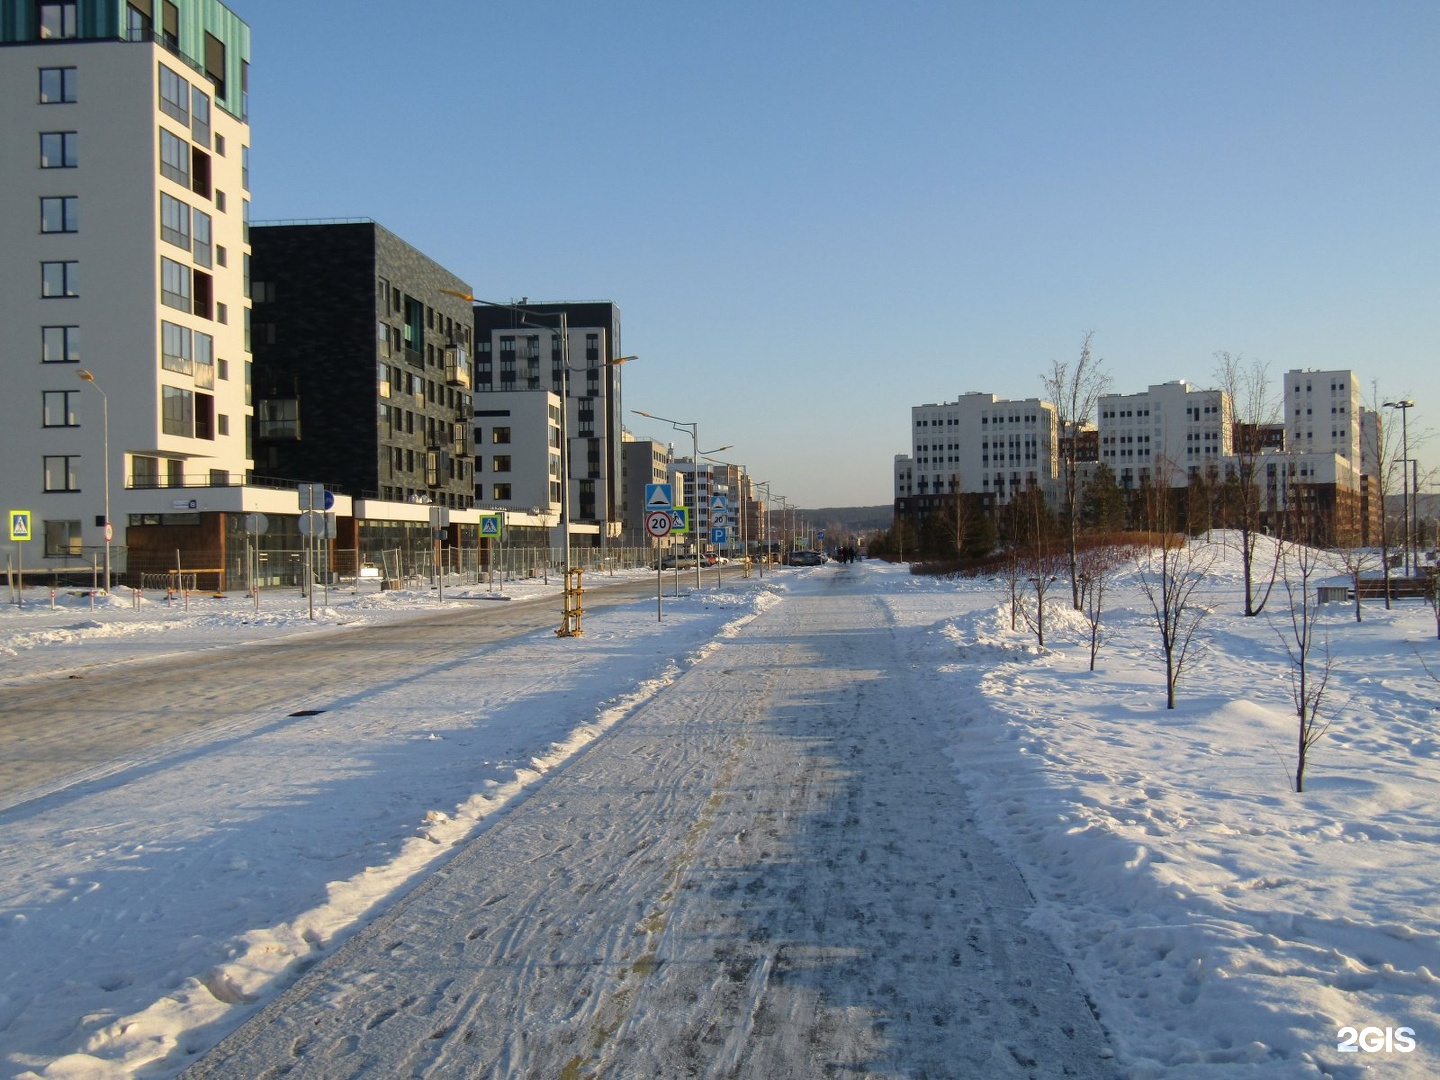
658	523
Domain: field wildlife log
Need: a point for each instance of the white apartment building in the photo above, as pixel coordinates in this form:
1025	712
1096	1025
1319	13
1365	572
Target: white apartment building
979	444
1171	431
517	452
1323	414
124	177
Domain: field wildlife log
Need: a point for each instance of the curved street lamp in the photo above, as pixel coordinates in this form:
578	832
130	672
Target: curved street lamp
1404	405
569	626
89	377
694	429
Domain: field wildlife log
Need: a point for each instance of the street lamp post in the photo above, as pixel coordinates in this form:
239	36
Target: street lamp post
694	429
766	485
570	618
740	510
1404	405
89	377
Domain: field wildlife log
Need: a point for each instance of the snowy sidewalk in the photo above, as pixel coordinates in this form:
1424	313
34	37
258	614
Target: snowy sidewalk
770	870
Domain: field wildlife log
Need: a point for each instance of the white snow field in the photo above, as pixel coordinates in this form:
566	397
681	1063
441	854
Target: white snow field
753	840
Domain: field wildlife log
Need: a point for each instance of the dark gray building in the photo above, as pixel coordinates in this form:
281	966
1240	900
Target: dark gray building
362	375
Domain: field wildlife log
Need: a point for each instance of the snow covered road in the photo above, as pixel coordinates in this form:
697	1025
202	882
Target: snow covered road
750	876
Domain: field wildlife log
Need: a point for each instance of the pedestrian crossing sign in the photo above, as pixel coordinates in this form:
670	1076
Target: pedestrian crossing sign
20	525
490	525
680	515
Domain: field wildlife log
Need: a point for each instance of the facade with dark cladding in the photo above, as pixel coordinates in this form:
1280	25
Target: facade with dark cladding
362	364
517	347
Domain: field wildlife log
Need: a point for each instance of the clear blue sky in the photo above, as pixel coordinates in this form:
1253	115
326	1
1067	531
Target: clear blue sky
814	215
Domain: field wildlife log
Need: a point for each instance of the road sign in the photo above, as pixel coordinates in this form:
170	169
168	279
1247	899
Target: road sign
256	524
680	520
717	535
314	523
658	523
719	502
490	525
658	497
20	525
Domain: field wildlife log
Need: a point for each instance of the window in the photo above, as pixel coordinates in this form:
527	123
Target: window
174	221
57	20
144	471
59	408
200	172
199	116
174	96
501	463
176	352
60	214
222	424
177	411
204	294
58	149
59	344
59	279
137	23
245	167
205	350
201	233
502	492
500	435
61	473
57	85
174	284
62	538
174	158
215	63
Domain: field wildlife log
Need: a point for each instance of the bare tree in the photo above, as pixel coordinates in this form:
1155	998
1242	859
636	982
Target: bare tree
1382	453
1098	566
1255	410
1171	573
1012	560
1075	392
1307	683
1042	563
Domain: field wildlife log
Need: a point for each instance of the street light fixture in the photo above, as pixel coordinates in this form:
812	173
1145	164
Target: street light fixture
570	617
740	511
89	377
694	429
1404	405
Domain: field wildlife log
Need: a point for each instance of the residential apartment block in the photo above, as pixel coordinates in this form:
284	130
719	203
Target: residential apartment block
124	180
1172	435
1167	434
520	347
978	444
517	452
363	376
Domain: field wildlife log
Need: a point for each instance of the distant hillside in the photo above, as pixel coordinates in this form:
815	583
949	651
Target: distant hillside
842	522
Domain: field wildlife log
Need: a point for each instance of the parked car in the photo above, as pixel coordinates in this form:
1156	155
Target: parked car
674	562
805	558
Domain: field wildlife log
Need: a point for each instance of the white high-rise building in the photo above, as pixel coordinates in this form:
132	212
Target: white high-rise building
1166	434
1323	413
979	444
124	177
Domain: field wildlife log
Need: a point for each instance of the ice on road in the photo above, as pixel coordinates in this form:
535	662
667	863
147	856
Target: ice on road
769	870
